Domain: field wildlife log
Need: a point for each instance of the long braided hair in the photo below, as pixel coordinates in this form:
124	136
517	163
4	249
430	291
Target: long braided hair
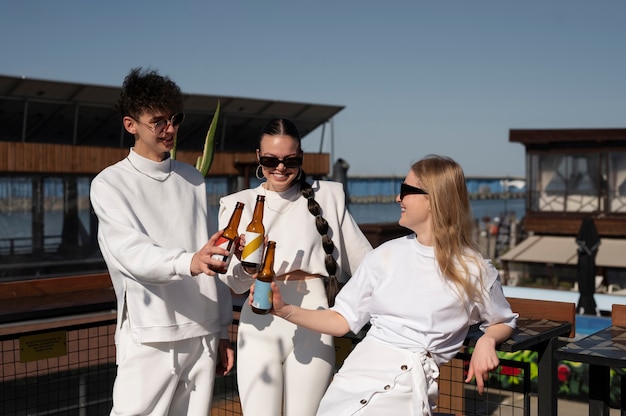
284	127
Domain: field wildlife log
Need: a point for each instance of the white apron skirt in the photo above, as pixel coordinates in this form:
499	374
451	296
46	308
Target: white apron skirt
381	379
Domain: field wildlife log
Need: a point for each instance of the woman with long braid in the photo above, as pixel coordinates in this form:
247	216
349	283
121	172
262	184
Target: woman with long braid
318	244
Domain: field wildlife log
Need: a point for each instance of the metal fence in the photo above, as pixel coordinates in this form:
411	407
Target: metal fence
75	379
507	391
74	373
75	370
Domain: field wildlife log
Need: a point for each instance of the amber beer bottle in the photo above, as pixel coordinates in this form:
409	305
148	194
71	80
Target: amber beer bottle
227	239
252	254
262	300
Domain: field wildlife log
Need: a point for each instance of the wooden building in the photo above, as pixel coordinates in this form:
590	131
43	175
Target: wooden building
62	127
59	135
571	174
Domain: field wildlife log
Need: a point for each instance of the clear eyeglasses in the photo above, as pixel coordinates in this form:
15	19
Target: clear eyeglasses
158	126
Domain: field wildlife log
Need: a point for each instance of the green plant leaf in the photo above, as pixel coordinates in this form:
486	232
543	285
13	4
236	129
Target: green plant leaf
173	151
206	160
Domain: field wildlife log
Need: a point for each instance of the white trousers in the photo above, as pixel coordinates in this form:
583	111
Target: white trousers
381	379
278	360
164	378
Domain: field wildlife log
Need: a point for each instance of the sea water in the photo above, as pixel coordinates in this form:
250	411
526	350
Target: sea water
482	209
18	224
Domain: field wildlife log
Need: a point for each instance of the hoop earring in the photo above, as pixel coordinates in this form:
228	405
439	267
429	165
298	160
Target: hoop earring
259	173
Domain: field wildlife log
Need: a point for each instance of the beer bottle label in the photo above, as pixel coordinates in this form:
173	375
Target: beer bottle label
226	244
253	251
262	295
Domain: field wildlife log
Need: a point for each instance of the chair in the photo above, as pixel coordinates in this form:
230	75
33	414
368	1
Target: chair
618	318
547	364
451	386
545	309
618	315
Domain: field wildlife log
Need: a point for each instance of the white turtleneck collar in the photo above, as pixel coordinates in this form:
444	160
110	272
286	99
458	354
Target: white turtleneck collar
158	171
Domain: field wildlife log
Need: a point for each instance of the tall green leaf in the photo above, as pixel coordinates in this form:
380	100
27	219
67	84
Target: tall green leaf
206	160
173	151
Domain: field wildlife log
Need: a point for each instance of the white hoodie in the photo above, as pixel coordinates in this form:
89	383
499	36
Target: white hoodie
153	217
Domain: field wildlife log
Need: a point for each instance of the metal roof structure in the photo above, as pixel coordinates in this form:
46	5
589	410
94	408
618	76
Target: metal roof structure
41	111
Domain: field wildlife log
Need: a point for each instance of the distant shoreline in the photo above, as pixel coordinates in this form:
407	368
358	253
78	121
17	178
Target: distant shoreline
384	199
10	205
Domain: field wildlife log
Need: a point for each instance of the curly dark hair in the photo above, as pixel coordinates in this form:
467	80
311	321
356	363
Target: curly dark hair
147	91
284	127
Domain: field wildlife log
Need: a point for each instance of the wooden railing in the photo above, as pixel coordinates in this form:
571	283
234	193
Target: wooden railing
38	299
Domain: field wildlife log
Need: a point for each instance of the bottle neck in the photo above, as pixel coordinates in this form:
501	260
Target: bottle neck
258	213
267	270
232	228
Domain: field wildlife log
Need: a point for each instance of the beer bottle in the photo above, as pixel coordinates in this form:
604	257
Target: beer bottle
262	300
252	254
227	239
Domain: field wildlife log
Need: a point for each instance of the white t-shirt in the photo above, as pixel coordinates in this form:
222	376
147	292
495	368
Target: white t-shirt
399	289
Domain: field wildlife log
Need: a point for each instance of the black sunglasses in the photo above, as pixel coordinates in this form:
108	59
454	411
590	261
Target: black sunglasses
272	162
410	190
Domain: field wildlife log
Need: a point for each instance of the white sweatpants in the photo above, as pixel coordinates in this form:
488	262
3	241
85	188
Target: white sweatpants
278	360
165	378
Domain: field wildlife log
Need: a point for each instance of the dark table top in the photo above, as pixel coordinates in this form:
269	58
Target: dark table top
528	335
605	348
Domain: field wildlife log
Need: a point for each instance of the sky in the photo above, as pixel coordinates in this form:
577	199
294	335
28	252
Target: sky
415	77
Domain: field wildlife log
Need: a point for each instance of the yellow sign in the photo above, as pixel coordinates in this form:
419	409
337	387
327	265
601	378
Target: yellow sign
41	346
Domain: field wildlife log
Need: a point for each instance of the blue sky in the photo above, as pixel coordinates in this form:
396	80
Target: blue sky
416	77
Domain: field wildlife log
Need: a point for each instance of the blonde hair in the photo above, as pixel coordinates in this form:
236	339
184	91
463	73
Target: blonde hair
452	222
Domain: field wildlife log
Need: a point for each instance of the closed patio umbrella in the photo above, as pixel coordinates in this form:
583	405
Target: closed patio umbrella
588	242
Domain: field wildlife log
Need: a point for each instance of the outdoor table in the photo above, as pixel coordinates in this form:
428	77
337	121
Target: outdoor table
541	335
602	350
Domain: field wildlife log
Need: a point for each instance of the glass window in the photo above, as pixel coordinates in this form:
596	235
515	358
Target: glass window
565	183
617	182
15	216
47	227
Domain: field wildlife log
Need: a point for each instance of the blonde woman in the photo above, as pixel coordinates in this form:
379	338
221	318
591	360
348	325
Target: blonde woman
420	293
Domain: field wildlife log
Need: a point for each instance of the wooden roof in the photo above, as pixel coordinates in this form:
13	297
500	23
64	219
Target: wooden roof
590	137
